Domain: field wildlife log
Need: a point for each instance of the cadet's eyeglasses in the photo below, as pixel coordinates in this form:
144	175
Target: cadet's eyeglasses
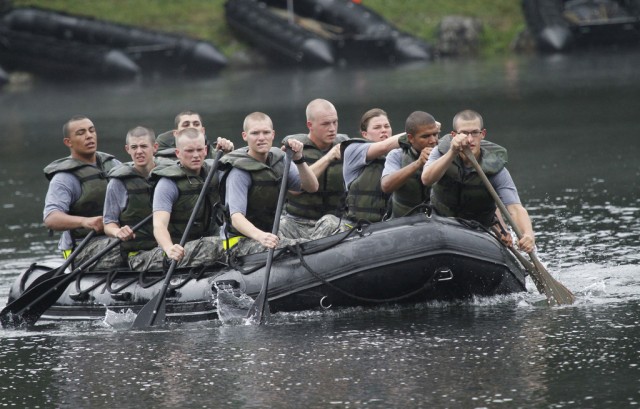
475	133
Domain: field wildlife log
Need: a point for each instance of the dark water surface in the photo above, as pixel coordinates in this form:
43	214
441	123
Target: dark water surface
570	124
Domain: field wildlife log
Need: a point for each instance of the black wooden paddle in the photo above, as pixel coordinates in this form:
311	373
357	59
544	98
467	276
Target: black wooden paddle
155	309
553	289
260	307
38	298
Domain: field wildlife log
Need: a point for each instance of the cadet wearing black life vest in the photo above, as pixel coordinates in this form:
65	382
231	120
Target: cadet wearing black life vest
363	164
253	184
129	195
458	191
403	166
175	195
318	214
77	187
167	140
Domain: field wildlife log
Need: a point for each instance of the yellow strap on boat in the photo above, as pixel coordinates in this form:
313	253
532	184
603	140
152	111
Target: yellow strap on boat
66	253
229	243
132	253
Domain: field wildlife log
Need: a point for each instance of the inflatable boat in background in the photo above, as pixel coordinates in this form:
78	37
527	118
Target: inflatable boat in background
560	25
154	53
322	32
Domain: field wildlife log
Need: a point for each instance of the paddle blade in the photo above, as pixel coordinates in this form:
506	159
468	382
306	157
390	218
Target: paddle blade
149	314
259	311
554	290
27	308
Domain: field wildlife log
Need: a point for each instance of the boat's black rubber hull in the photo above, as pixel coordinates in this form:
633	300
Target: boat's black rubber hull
278	40
408	260
357	34
439	284
58	59
554	32
433	259
153	51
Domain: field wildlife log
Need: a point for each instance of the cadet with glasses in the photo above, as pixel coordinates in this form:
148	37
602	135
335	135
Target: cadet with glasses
458	191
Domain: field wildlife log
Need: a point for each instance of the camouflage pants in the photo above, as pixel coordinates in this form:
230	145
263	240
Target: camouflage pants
112	259
204	251
295	227
248	246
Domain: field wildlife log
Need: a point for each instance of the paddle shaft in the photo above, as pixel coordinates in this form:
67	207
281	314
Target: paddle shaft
60	270
75	252
157	301
492	191
261	303
54	285
554	290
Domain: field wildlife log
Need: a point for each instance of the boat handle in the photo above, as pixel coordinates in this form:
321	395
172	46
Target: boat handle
443	274
326	307
225	284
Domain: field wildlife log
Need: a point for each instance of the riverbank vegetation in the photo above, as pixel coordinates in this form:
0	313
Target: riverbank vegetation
502	19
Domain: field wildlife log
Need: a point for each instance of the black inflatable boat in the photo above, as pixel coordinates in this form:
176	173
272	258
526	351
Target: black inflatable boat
558	25
155	52
322	32
414	259
58	59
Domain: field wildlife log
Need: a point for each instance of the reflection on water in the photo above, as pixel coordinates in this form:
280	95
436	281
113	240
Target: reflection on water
569	125
469	355
578	231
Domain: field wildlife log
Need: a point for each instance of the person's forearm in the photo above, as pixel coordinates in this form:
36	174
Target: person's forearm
308	180
245	227
111	229
161	229
521	218
60	221
383	147
397	179
163	238
320	166
433	172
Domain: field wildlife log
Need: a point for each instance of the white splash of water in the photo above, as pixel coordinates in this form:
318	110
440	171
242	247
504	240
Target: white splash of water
232	305
119	320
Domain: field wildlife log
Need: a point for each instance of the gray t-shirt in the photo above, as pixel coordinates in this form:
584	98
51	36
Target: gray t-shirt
115	201
165	195
393	162
64	189
501	181
354	161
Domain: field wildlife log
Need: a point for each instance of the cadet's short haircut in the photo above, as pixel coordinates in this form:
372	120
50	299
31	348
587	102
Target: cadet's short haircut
65	127
141	131
416	120
467	115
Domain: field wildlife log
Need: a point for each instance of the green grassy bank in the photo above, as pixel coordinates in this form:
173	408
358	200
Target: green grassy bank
205	18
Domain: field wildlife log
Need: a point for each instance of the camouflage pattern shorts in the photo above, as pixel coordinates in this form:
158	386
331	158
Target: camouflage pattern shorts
204	251
295	227
249	246
111	260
